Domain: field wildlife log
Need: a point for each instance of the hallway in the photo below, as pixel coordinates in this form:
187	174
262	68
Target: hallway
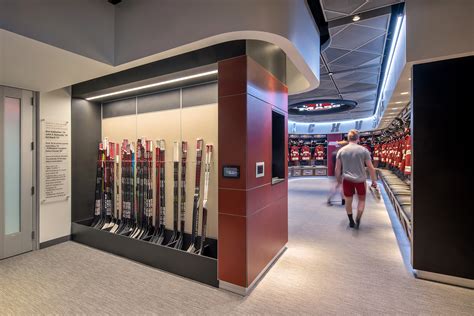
328	268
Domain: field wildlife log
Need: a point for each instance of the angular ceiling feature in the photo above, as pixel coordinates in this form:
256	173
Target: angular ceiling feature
336	9
354	36
354	59
332	54
342	6
374	46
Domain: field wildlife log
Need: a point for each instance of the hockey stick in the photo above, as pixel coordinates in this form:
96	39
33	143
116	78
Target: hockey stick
132	191
148	192
154	237
196	202
139	191
123	188
178	244
107	216
111	177
127	190
98	187
159	235
207	171
117	208
184	156
172	241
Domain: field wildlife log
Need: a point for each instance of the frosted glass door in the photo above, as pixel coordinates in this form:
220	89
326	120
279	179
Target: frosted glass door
12	162
17	121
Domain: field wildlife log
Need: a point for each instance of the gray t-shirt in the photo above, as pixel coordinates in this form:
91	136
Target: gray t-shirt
353	159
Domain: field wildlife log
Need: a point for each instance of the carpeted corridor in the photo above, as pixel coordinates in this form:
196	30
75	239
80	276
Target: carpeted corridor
327	269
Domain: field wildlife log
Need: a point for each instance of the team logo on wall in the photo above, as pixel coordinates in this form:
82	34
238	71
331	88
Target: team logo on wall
318	107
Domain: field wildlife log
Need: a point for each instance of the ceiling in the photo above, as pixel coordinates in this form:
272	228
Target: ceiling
351	65
336	9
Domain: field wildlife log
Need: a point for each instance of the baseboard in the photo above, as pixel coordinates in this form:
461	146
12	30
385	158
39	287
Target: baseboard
241	290
443	278
55	241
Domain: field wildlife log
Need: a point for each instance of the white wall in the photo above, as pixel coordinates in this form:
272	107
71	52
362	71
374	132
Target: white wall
85	27
55	217
439	29
140	31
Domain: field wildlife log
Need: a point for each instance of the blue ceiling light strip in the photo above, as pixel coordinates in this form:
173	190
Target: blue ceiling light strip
394	33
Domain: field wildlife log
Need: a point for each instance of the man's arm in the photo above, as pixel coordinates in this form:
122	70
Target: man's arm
338	170
371	168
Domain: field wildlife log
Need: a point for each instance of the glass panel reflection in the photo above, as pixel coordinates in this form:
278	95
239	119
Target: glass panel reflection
11	141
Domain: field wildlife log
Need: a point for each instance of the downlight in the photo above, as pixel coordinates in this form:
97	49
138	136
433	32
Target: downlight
356	18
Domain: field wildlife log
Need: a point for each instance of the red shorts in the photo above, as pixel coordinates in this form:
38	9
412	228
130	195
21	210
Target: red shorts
350	188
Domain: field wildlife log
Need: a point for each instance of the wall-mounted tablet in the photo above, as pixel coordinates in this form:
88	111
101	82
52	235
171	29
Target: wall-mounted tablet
232	172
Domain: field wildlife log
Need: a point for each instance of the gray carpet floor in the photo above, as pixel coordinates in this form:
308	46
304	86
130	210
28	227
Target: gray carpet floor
328	269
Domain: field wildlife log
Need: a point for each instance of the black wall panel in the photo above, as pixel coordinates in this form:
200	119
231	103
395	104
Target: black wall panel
201	57
159	102
199	95
443	216
192	96
85	138
119	108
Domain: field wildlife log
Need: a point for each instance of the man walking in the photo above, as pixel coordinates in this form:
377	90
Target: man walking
350	170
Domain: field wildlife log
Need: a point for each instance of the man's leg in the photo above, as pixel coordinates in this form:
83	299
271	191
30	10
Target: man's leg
361	193
348	195
332	192
360	206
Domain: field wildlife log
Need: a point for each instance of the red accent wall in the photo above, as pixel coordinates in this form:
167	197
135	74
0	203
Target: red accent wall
331	149
253	213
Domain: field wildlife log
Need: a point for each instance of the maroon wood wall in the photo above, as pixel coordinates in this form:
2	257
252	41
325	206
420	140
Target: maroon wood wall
253	213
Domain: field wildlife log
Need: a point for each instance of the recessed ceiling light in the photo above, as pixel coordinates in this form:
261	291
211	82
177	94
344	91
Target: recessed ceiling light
356	18
409	78
403	93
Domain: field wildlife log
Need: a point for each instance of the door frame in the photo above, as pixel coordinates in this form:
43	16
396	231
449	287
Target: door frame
27	98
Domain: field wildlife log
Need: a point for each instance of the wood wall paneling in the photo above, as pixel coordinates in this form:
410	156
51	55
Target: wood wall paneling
232	77
250	208
232	249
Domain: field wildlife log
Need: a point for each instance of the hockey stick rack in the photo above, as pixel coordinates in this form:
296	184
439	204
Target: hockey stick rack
199	268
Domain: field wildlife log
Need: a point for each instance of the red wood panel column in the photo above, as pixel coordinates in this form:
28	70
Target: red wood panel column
332	138
253	213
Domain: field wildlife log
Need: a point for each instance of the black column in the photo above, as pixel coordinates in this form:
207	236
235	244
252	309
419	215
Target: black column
85	138
443	189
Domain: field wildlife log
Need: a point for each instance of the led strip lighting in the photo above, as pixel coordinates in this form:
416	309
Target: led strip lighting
398	26
157	84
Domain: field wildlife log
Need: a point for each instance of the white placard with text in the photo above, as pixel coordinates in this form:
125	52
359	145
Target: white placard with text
54	161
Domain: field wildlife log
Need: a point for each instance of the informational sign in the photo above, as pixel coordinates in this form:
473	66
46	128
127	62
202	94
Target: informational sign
54	161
